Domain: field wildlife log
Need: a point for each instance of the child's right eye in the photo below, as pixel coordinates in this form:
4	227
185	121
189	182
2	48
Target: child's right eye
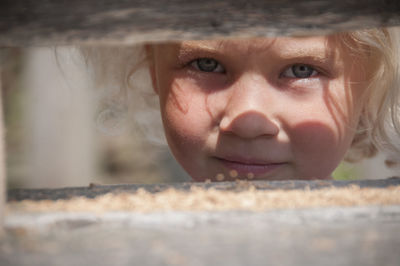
207	65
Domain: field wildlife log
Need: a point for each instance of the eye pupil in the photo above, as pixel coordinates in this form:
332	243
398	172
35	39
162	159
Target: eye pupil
302	71
207	64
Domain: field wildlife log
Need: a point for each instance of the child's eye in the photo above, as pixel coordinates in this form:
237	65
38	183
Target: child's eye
207	65
299	71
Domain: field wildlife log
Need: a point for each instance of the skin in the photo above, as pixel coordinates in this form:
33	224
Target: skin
253	116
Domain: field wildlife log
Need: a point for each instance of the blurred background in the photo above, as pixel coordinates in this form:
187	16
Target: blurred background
52	138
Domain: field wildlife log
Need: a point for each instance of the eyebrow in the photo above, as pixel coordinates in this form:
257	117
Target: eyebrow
285	51
216	45
306	50
188	48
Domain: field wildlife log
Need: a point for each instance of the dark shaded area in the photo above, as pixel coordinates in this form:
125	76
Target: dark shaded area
93	190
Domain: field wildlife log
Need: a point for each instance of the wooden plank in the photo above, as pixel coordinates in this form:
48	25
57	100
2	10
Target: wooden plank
43	22
328	236
97	190
356	235
2	156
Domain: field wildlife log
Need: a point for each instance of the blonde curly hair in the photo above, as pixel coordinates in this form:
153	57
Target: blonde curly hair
379	125
121	75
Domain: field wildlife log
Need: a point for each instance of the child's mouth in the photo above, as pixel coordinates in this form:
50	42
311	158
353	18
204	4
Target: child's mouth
249	168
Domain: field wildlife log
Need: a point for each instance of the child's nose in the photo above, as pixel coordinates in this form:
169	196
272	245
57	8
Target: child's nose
250	108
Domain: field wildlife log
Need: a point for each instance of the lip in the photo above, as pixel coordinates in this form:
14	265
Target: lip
254	166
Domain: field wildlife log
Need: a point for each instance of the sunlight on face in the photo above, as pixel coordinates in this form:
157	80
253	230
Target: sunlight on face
284	108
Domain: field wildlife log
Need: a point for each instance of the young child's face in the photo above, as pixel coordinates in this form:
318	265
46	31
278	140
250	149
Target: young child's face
284	108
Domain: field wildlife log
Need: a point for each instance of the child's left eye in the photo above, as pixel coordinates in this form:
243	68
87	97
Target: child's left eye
207	65
299	71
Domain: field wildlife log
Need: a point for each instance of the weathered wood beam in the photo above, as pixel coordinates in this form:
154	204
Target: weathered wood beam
288	236
353	236
44	22
97	190
2	157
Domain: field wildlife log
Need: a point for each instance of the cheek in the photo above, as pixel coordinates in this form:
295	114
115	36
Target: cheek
319	140
317	149
316	143
185	122
187	127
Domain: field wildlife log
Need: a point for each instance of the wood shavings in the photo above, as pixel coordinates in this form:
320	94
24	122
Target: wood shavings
198	199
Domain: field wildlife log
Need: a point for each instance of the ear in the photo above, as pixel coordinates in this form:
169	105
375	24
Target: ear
151	62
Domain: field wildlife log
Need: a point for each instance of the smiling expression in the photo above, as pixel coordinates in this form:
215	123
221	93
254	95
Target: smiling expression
284	108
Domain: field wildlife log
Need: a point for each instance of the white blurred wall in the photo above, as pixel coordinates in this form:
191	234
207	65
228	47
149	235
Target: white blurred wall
59	110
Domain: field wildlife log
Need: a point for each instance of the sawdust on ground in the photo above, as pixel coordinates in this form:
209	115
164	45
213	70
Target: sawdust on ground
199	199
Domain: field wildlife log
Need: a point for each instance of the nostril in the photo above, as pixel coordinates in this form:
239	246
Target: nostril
251	124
